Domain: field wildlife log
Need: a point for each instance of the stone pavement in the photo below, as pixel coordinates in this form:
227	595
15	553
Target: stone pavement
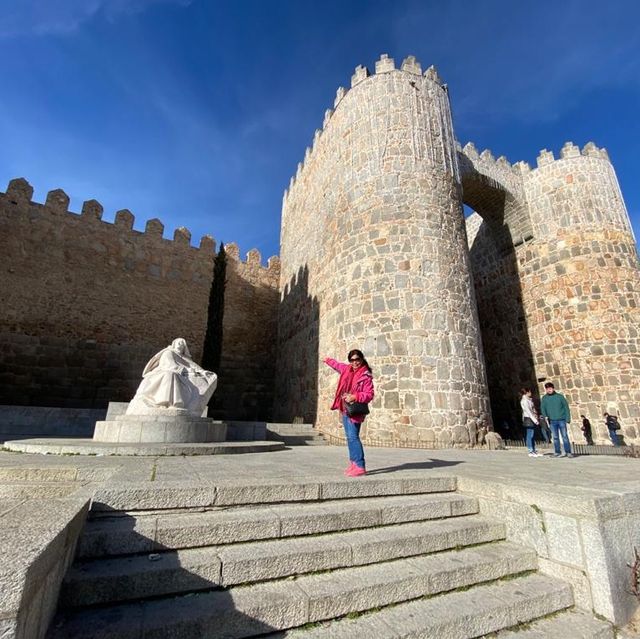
614	475
581	515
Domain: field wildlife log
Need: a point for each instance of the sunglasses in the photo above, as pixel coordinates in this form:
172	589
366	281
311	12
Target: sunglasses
355	359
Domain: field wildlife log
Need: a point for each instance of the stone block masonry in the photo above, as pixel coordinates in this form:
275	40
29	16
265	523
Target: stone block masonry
250	323
564	293
541	283
86	303
373	231
544	286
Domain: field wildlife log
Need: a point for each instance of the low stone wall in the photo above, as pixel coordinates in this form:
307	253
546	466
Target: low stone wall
18	422
585	537
40	539
246	431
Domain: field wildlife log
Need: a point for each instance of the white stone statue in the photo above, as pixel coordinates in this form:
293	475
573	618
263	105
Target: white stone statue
173	384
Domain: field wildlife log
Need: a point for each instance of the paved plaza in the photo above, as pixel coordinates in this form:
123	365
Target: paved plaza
603	474
576	518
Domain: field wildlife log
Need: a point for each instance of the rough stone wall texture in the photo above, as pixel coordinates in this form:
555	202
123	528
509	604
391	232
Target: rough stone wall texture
501	224
579	279
247	365
374	253
86	303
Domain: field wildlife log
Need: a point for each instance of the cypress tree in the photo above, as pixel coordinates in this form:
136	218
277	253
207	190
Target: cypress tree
212	349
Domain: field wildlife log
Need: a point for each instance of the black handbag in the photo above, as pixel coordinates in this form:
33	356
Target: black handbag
356	408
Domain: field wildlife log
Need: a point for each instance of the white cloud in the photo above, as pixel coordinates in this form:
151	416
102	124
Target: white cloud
59	17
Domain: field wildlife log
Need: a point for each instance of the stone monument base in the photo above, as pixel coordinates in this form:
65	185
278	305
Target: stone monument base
165	429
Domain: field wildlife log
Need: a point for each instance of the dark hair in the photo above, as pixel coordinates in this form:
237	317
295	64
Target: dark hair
360	354
549	385
524	390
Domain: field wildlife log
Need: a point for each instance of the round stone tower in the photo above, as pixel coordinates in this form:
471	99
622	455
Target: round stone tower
581	287
374	256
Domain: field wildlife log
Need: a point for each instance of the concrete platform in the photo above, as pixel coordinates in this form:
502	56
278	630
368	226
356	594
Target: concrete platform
152	429
54	446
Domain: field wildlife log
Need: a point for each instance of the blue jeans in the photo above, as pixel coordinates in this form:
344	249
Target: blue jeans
559	429
531	442
352	432
614	437
544	431
530	433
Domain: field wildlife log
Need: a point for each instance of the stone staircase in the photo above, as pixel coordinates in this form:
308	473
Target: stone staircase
295	434
371	558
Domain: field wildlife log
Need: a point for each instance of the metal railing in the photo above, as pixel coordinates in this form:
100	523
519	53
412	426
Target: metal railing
578	449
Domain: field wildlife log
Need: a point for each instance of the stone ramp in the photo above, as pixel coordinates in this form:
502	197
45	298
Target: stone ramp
247	560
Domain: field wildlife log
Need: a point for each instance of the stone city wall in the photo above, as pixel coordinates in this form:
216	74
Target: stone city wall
494	189
86	303
579	289
250	323
373	247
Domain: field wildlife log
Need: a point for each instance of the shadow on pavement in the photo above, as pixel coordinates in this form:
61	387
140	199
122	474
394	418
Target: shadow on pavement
426	465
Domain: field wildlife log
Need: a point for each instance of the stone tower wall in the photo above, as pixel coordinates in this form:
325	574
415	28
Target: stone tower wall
497	232
86	303
250	323
581	287
579	291
374	252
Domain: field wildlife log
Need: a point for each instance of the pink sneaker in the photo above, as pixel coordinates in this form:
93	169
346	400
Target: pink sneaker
356	471
349	468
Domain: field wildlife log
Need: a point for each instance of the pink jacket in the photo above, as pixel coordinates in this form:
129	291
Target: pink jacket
358	383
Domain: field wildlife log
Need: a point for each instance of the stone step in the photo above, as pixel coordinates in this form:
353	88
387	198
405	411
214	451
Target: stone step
131	578
37	490
565	625
150	495
143	533
476	612
298	440
291	429
278	605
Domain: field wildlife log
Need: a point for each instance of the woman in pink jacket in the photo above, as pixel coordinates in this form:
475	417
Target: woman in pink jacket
355	385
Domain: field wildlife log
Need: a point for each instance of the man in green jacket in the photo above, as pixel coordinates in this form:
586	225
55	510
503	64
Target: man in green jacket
555	408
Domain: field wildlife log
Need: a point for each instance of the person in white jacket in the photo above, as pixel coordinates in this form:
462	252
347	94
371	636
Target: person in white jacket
529	420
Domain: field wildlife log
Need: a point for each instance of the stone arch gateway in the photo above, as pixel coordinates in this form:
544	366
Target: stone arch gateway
545	274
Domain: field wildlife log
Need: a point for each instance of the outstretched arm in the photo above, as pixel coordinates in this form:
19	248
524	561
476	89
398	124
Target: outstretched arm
336	365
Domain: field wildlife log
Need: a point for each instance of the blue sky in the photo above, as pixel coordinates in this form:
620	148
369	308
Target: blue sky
197	111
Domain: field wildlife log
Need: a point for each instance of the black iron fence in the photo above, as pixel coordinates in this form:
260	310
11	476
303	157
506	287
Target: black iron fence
580	449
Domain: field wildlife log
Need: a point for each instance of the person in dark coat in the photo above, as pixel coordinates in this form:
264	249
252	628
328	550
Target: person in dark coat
586	430
613	426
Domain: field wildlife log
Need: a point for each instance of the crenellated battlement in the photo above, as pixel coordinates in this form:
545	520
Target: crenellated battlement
253	259
488	162
384	65
19	195
484	158
96	299
569	151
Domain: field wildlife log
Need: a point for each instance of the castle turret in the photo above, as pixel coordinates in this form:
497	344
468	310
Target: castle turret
581	286
374	256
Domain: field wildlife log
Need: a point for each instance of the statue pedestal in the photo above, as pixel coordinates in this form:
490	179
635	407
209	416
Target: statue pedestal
158	428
